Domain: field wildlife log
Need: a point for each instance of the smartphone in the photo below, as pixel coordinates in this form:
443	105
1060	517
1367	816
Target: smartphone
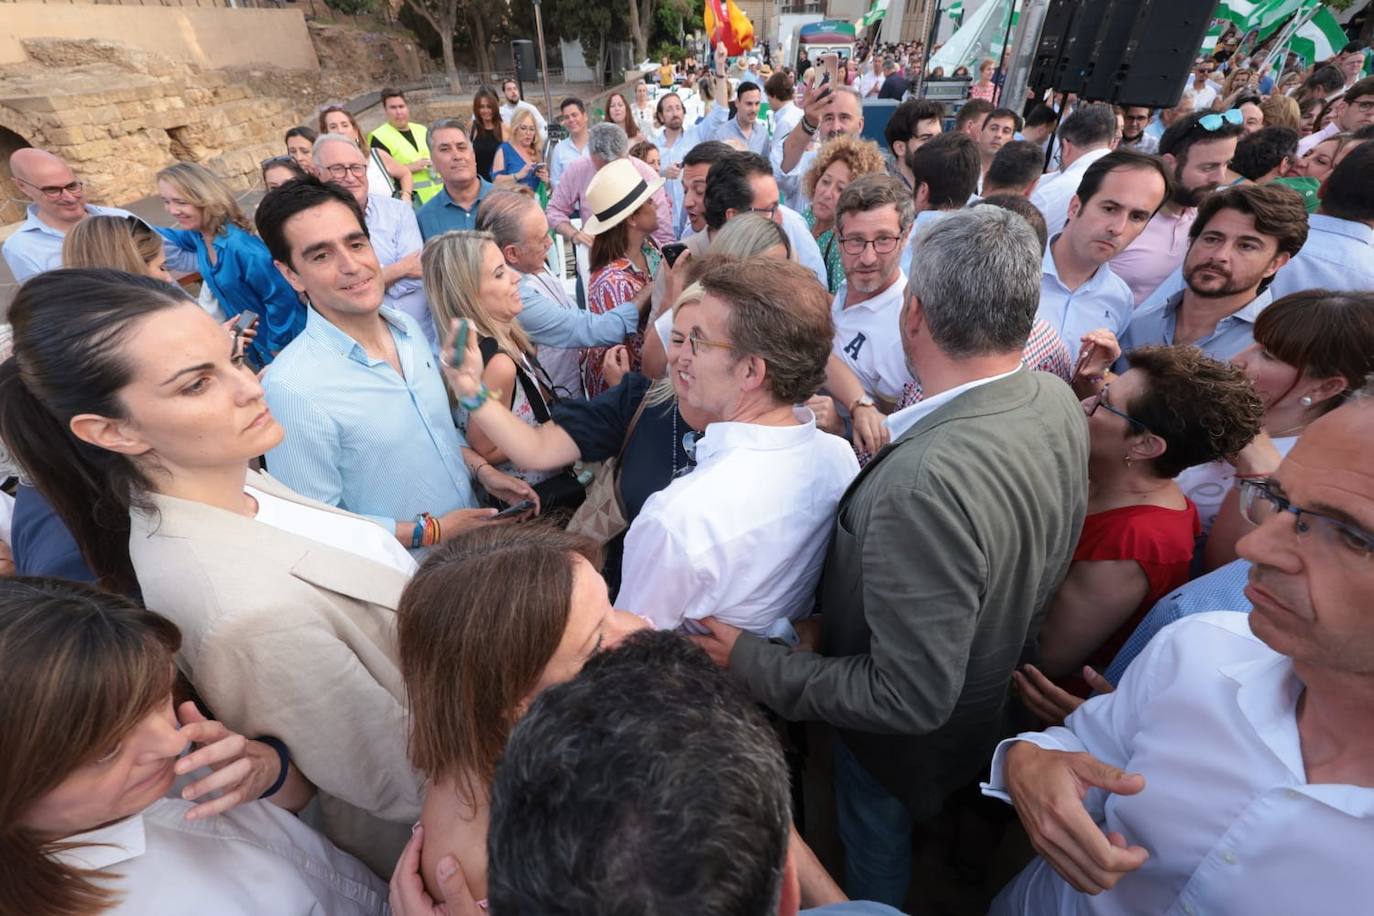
512	511
672	252
460	344
1083	359
246	319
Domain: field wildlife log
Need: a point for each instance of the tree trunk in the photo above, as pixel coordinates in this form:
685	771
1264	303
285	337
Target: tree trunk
479	43
455	85
638	33
601	60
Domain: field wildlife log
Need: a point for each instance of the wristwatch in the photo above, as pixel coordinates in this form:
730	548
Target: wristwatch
862	400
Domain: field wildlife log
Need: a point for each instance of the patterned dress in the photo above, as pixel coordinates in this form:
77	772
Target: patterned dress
830	250
613	284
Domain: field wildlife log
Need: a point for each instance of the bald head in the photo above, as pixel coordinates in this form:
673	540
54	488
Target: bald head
61	205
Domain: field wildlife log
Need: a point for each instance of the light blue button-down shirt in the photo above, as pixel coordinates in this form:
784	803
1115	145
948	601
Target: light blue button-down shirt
395	233
443	214
552	319
1104	301
757	141
361	437
1221	589
35	246
1232	334
1336	256
565	152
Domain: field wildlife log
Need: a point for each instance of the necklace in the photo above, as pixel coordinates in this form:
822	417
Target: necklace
1281	433
689	448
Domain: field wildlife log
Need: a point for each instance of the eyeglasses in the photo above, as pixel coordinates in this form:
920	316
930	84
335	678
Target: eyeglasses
340	170
699	343
55	191
883	244
765	211
1364	107
1214	120
1259	503
1101	401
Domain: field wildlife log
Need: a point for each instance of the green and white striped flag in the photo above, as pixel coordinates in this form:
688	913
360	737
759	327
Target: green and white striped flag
1319	39
875	13
956	12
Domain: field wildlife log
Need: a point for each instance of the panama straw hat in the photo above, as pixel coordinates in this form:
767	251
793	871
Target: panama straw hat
615	192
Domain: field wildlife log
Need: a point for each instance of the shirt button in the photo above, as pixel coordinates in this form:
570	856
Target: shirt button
1293	795
1229	858
1188	909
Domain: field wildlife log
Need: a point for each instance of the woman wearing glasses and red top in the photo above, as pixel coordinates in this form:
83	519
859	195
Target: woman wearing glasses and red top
1175	408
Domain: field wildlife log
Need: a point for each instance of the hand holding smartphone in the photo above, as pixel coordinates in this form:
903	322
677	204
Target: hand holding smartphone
514	510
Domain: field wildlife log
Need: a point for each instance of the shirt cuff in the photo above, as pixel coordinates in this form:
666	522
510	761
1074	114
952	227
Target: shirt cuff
628	313
996	786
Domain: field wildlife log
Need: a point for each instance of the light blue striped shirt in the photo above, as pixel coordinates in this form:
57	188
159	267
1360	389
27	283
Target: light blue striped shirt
1220	590
36	247
361	437
1104	301
1156	325
1336	256
757	141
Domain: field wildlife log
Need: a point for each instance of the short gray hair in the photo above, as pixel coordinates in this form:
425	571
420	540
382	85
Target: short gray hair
448	124
850	90
607	142
977	275
325	139
500	213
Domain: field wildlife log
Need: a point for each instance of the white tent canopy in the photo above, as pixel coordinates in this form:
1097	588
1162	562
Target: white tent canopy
980	36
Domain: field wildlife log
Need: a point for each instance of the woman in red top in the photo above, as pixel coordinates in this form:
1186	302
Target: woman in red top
1174	409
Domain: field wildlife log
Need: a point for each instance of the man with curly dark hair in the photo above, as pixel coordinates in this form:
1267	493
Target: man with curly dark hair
1240	239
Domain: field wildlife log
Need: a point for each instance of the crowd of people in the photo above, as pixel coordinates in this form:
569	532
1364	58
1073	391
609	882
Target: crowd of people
397	567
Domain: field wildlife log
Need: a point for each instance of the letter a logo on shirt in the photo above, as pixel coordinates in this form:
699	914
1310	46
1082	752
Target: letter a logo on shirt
854	346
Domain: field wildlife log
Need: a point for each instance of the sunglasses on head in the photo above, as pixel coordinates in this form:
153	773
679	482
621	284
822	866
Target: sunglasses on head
1214	120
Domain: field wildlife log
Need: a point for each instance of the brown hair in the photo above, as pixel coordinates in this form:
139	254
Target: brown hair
859	154
475	628
631	126
124	243
1322	334
1281	111
871	192
642	149
779	313
1278	211
1203	408
79	669
357	131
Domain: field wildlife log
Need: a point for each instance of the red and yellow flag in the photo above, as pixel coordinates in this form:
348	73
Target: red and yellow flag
729	26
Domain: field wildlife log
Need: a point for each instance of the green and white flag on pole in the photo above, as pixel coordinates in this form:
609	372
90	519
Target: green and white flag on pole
956	13
1319	38
875	13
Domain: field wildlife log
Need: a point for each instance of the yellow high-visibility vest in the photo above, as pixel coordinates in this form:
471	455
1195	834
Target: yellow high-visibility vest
401	149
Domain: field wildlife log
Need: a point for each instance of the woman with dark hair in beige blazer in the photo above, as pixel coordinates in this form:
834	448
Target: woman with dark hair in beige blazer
136	418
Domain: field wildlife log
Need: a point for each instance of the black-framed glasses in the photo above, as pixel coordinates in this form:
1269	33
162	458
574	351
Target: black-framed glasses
765	211
883	244
1259	502
1101	401
343	170
55	191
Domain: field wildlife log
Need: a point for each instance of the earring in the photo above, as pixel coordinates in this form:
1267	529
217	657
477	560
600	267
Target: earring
1129	460
1305	400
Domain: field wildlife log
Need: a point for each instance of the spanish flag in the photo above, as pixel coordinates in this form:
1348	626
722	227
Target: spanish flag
729	26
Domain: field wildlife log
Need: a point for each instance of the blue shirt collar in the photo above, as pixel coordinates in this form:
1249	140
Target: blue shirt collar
1337	226
321	329
1246	313
1099	277
483	187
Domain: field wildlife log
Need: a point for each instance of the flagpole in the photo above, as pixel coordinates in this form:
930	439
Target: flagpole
1300	19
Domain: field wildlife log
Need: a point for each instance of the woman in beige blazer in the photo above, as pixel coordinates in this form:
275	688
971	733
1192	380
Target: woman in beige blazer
133	412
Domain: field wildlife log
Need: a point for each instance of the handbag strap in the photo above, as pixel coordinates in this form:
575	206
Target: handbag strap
630	431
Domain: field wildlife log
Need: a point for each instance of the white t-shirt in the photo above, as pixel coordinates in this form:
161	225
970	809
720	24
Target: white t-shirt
356	535
868	338
1207	484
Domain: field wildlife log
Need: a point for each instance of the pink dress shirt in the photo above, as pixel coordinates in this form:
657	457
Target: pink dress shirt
570	193
1156	253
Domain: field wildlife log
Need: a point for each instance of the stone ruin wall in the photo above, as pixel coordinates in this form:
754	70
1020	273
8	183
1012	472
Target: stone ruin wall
119	115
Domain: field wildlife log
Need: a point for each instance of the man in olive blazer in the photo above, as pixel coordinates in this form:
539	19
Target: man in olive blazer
946	551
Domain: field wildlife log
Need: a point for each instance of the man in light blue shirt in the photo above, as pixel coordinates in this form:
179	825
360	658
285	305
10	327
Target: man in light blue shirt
548	314
1338	255
745	126
391	227
359	392
572	114
1116	199
58	205
455	207
1242	236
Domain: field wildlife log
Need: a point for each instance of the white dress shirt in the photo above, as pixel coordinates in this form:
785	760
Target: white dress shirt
508	111
254	859
1103	301
868	338
781	123
1053	192
743	536
1208	715
899	423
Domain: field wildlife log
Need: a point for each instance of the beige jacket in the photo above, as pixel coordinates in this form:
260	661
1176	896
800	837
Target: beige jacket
285	636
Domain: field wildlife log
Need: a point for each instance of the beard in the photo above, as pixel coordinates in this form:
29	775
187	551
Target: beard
1185	196
1228	286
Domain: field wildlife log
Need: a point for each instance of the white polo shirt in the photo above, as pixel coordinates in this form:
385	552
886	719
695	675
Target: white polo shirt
868	338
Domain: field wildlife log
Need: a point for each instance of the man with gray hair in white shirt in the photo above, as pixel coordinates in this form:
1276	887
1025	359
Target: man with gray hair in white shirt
1232	770
742	537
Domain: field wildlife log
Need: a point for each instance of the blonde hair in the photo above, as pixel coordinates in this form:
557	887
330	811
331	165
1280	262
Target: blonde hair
1281	111
859	154
520	117
750	234
661	391
204	189
452	265
119	242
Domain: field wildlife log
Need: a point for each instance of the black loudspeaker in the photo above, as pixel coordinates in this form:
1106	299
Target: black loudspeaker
526	70
1107	55
1063	53
1054	34
1159	56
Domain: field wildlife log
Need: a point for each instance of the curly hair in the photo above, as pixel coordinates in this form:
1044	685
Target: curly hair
1202	408
859	154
